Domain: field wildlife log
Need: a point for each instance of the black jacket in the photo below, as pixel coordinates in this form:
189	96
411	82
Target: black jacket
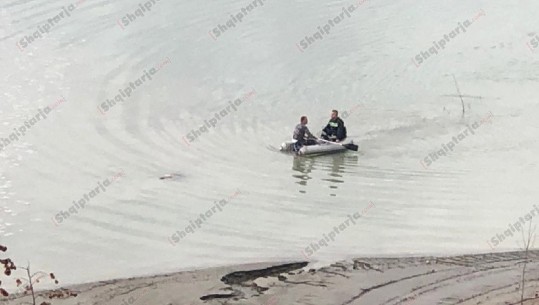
335	128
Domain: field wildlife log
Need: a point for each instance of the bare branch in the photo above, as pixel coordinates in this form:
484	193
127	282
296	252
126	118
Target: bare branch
460	95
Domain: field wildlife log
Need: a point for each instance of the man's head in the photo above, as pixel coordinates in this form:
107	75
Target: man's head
303	120
334	114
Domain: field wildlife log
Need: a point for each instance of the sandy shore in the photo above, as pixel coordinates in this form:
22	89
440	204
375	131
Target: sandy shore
468	279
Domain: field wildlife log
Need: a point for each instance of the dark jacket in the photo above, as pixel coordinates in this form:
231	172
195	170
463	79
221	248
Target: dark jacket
301	133
335	128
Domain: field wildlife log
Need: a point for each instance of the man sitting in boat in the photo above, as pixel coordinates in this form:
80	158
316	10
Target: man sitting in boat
335	130
302	135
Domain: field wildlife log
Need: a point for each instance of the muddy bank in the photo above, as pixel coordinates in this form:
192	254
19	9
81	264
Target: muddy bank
467	279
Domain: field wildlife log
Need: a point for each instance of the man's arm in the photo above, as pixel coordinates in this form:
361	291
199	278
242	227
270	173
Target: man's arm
341	131
326	129
309	134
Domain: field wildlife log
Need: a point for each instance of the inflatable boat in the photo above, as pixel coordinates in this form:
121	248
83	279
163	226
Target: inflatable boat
323	147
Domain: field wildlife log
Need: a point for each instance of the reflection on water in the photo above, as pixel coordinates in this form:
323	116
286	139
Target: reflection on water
332	168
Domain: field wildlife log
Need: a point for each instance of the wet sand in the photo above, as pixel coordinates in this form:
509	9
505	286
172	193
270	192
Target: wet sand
467	279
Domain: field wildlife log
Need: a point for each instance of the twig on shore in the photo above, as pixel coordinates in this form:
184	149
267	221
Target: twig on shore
30	280
528	241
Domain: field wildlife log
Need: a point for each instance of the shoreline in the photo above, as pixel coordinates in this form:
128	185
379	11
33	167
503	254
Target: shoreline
489	278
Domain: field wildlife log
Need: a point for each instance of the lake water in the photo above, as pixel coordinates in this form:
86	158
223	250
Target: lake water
183	89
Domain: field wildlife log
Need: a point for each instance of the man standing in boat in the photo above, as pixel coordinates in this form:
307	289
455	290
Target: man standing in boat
334	130
302	134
